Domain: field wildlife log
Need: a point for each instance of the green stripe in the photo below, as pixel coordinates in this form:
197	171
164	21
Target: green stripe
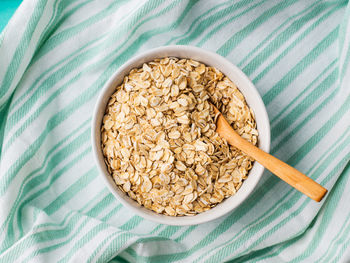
326	211
71	223
87	238
119	259
3	117
104	242
193	24
33	239
217	16
109	252
54	21
187	232
116	244
274	32
304	91
73	55
46	85
114	211
51	160
251	256
100	246
300	67
53	122
237	38
286	35
131	223
345	65
344	25
53	17
168	232
338	239
56	15
71	191
106	200
219	27
156	229
22	47
305	121
53	24
63	36
308	101
344	247
298	155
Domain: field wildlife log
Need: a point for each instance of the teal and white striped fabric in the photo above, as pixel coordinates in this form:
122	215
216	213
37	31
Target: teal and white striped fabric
55	55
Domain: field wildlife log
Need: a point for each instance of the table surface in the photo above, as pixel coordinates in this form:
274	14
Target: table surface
7	9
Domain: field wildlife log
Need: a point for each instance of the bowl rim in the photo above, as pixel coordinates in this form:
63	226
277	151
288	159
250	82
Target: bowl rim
99	109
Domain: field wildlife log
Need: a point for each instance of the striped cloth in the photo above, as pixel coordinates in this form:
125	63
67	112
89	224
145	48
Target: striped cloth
55	55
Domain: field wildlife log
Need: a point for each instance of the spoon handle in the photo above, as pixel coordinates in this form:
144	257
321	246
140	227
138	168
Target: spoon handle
284	171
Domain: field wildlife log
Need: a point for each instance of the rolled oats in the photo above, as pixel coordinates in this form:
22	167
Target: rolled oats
159	141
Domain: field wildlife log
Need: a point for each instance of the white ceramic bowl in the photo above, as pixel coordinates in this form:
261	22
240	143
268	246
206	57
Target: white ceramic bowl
245	86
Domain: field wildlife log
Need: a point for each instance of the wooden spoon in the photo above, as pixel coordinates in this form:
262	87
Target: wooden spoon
287	173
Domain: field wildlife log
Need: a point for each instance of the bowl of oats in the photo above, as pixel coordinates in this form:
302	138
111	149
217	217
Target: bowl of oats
154	139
